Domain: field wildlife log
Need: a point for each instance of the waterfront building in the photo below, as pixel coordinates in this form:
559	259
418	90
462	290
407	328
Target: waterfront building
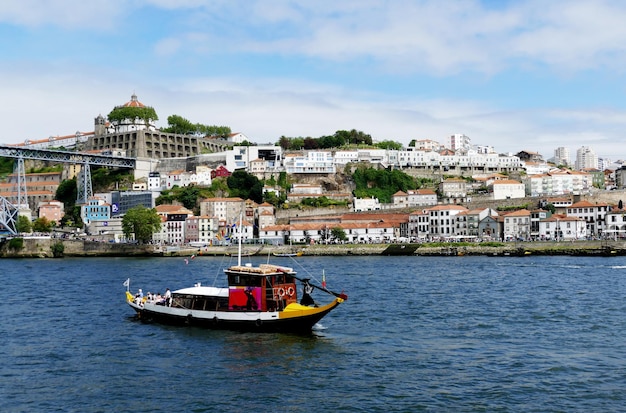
442	221
172	223
516	225
536	216
264	215
562	228
96	209
51	210
616	224
227	210
594	216
489	227
122	201
40	187
418	225
468	222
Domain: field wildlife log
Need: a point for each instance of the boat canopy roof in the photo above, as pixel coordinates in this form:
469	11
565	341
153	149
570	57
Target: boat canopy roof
206	291
263	269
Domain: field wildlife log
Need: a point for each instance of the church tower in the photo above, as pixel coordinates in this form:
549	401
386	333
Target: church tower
100	127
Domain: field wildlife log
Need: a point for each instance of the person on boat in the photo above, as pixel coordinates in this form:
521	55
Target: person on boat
251	303
306	294
139	296
168	297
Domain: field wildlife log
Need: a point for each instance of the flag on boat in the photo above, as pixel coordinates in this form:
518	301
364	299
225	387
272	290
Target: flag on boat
127	282
193	256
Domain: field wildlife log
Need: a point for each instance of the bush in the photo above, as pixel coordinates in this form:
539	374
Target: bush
57	249
16	244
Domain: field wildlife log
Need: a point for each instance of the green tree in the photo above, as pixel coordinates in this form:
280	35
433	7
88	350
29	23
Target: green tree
188	196
245	186
338	234
142	222
389	145
23	224
42	225
178	124
72	217
381	183
145	113
67	192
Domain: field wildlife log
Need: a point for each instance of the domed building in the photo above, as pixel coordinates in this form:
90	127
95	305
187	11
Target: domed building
130	131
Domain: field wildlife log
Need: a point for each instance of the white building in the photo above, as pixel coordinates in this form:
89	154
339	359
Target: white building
516	225
173	219
508	189
346	157
561	156
241	157
441	220
225	209
616	224
311	162
586	158
365	204
458	142
562	228
594	216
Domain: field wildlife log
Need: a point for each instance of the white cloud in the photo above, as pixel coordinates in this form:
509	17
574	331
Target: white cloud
68	14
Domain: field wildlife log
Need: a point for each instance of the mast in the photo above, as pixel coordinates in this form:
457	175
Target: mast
239	230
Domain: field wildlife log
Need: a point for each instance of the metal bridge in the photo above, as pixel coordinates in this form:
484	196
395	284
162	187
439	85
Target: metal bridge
66	157
9	210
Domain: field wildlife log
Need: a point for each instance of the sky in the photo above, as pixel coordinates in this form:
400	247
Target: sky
528	75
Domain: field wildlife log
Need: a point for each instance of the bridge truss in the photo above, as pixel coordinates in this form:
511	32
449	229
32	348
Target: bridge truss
8	216
9	208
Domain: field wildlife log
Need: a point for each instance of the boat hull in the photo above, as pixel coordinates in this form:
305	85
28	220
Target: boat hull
294	319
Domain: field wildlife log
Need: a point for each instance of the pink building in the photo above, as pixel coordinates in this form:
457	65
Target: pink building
51	210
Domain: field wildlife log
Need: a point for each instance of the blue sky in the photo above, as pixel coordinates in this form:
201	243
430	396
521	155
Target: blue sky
517	75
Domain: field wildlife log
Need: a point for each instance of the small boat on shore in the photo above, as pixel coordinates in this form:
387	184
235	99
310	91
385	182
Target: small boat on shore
287	254
261	298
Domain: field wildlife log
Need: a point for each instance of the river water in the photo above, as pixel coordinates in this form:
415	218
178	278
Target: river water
462	334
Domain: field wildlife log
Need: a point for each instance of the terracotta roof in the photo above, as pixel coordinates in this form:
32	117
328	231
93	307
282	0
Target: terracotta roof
234	199
586	204
172	209
134	103
447	207
506	182
518	213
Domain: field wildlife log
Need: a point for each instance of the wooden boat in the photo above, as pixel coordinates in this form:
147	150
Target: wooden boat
260	298
288	254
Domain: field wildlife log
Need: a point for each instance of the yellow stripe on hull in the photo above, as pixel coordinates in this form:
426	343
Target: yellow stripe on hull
295	310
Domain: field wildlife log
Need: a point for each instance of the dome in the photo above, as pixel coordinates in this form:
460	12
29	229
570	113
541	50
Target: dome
134	103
